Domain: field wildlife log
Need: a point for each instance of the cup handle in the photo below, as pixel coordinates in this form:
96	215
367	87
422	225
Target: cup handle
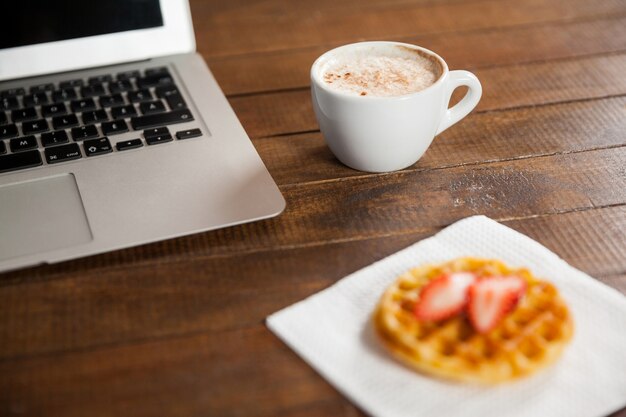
467	104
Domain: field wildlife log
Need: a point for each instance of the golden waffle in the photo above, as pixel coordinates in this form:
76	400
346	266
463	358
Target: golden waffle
529	338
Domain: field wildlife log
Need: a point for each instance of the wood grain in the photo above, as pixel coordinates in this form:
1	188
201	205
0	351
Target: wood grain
281	70
245	371
504	87
201	374
387	204
490	136
251	8
107	306
230	32
256	7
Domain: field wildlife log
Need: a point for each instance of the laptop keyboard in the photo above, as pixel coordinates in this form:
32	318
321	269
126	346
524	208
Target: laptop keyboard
74	118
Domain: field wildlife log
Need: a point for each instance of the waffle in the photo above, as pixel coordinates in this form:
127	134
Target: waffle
529	338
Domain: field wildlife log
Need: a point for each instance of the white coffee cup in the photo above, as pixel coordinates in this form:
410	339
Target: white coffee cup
380	134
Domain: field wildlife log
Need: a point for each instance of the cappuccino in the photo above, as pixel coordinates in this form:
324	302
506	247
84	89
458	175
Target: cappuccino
381	72
380	104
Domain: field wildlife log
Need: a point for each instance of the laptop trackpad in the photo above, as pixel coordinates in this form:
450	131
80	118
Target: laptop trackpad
41	215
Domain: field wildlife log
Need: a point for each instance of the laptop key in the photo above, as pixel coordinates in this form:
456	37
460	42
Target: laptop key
127	75
86	104
62	122
166	90
155	131
54	138
20	160
35	126
53	110
12	92
9	103
128	144
99	79
154	80
94	116
8	131
97	146
161	119
139	96
36	99
62	153
92	90
71	83
176	101
119	86
112	100
155	140
156	71
84	132
65	94
114	127
3	147
122	112
41	88
24	114
188	134
23	143
151	107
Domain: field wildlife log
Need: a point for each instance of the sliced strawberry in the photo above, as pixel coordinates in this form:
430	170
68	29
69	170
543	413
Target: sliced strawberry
491	298
444	296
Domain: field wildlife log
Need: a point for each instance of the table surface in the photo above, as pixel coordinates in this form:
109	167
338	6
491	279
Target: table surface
176	328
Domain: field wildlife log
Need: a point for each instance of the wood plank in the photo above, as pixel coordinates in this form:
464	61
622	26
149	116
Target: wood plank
230	32
198	375
505	87
388	204
381	204
194	376
267	7
490	136
242	372
594	242
87	308
290	69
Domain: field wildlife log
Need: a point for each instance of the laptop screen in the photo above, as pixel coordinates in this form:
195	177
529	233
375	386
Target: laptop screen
41	21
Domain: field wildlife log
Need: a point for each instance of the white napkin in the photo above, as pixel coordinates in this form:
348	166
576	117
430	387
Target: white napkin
331	330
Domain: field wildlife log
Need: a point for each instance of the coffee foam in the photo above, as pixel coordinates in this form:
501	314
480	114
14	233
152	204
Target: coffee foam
381	72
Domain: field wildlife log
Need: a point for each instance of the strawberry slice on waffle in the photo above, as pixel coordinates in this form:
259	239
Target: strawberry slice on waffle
491	298
444	296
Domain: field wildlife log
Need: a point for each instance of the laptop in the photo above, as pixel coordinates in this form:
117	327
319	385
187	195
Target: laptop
114	133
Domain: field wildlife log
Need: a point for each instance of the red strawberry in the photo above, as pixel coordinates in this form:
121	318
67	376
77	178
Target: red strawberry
444	296
491	298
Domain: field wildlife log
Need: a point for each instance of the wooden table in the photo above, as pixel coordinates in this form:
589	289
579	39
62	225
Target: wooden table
176	328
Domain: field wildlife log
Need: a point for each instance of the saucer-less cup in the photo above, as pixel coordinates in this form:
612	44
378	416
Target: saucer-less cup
380	134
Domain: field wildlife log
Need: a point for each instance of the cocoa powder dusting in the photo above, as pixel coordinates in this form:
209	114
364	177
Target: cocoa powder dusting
383	76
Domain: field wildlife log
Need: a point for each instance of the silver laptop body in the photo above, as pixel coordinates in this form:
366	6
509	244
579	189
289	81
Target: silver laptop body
145	187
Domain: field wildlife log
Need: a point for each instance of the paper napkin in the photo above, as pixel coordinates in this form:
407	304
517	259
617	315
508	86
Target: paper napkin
332	331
